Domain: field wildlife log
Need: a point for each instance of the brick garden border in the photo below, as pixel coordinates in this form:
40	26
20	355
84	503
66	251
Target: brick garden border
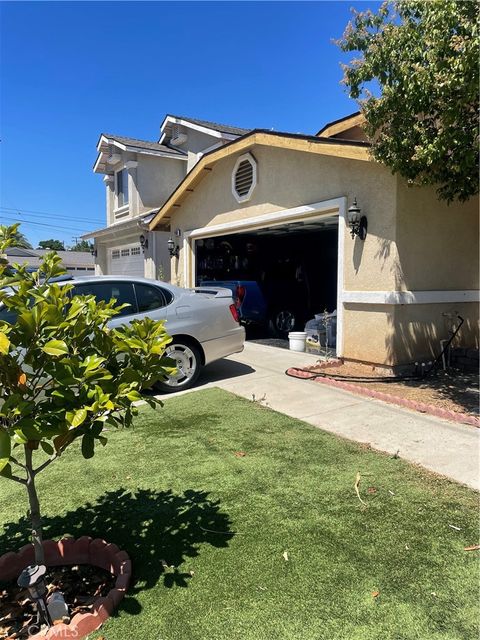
430	409
69	551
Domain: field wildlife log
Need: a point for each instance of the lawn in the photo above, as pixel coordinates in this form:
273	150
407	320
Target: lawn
243	523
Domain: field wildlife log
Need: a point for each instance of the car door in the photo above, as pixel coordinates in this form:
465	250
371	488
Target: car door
121	290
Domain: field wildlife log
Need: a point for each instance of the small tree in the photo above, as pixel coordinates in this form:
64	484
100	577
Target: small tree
423	55
83	245
64	375
54	245
16	238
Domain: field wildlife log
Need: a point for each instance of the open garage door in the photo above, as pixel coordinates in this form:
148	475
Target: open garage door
289	271
126	260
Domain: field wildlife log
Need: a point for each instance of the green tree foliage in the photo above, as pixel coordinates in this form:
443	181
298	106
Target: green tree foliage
54	245
16	238
424	56
64	374
83	245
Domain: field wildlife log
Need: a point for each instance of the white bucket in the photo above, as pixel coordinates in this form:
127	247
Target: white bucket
297	340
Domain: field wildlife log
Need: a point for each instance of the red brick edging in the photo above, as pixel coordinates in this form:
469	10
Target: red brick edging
429	409
68	551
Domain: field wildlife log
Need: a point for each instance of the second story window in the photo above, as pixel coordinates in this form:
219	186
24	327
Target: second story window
122	188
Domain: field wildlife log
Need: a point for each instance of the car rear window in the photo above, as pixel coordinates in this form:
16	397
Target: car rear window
8	315
105	291
149	298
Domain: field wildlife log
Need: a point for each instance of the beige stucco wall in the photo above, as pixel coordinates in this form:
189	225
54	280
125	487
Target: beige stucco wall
437	243
397	335
414	243
156	179
289	179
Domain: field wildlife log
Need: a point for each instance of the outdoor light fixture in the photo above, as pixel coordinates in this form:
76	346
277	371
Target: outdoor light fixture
173	249
143	242
32	579
356	222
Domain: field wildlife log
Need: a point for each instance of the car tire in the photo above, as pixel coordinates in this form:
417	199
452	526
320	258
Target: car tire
282	321
189	363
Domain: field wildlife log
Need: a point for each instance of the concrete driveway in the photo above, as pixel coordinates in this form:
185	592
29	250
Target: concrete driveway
258	373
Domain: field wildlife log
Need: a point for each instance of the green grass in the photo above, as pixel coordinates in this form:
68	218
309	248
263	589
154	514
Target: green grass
160	489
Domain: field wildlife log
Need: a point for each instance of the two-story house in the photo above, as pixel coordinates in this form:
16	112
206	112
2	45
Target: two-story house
139	177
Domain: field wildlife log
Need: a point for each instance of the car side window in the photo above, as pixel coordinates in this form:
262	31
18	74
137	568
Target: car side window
105	291
149	298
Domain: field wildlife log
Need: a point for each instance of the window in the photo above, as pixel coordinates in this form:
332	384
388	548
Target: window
244	177
122	188
149	298
125	252
121	291
135	251
115	254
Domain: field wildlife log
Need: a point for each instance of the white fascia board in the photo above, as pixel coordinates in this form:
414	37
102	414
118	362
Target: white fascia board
314	210
198	127
152	152
411	297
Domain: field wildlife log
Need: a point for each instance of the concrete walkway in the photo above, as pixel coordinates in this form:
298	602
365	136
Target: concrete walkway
444	447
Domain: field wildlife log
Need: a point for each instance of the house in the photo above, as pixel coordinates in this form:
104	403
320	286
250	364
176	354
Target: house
75	262
139	177
398	265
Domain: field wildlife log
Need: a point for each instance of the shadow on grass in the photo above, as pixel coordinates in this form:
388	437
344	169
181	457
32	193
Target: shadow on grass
158	529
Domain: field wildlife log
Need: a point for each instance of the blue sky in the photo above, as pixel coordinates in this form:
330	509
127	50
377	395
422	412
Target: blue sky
71	70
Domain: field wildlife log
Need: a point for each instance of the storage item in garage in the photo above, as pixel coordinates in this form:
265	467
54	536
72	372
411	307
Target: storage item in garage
312	329
297	340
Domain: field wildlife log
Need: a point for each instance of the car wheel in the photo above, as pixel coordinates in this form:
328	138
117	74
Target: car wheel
188	362
282	321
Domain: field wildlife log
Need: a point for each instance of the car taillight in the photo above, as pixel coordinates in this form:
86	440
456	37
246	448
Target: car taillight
234	312
239	295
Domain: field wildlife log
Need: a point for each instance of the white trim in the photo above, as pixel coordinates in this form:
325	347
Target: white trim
315	210
411	297
197	127
310	212
246	157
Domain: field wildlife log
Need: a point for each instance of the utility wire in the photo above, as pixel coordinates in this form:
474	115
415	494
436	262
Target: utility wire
12	218
39	214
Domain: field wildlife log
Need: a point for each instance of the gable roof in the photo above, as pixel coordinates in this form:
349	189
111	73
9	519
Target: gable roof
143	144
134	145
342	124
354	150
221	128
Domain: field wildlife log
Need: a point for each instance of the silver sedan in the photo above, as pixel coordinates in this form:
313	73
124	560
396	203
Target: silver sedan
203	322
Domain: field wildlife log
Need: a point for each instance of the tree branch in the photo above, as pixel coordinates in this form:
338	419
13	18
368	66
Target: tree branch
19	464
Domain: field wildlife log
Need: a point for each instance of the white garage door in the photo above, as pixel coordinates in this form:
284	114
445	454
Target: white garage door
126	260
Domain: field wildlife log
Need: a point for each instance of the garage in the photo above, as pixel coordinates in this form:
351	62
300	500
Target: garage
126	260
282	275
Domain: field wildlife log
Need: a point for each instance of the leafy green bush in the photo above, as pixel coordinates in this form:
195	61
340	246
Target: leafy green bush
64	374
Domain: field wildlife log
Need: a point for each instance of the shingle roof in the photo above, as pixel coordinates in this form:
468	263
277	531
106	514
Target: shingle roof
221	128
69	258
143	144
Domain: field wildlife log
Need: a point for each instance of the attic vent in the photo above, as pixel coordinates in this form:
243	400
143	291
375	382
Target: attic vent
244	177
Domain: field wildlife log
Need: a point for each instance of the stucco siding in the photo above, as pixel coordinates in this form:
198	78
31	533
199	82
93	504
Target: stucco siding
398	335
289	179
157	178
437	243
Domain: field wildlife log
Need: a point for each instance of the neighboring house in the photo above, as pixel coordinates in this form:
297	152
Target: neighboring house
277	202
139	177
75	262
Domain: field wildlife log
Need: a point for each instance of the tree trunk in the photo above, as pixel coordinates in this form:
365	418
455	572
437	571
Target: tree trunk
35	517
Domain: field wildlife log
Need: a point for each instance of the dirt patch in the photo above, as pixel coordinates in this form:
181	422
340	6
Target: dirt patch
450	390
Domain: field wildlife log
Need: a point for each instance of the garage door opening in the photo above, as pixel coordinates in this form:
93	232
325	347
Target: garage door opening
282	276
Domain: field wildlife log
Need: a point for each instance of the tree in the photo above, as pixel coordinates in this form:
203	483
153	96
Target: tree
424	57
16	239
54	245
64	375
83	245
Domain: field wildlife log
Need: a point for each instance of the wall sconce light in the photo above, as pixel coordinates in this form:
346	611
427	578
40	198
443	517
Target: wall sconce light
357	222
143	242
173	249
